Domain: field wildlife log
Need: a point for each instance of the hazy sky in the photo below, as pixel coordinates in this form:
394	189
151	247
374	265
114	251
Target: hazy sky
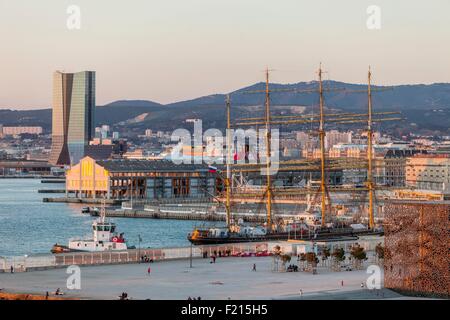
171	50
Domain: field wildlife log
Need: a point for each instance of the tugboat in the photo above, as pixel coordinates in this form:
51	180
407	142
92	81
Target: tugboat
104	238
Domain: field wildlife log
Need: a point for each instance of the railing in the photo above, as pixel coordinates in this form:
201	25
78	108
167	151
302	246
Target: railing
30	263
24	263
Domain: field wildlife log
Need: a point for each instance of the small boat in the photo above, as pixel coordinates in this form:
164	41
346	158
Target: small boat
104	238
92	211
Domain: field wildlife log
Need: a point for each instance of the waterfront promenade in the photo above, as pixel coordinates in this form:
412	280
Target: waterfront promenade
230	277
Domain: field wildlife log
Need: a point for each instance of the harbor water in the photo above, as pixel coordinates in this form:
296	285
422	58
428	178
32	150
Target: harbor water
29	226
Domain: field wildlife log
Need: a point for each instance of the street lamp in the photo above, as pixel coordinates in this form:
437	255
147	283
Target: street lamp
139	247
190	257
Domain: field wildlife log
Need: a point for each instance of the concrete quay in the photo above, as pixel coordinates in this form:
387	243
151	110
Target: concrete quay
228	278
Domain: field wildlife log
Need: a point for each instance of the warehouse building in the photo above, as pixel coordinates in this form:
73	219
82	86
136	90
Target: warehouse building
140	179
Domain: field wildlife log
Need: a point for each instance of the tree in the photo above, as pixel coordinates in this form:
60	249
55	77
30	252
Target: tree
339	254
277	254
326	253
285	258
312	258
379	250
338	257
312	261
303	259
359	255
276	250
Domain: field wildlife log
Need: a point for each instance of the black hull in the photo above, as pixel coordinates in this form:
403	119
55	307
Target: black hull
326	236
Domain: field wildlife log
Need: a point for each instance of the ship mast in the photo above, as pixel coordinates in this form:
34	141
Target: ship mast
228	177
322	148
103	210
268	157
370	185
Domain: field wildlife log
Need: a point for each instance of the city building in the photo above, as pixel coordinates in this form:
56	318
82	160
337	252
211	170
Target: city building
12	131
24	167
395	166
429	172
334	137
148	133
102	132
73	114
306	141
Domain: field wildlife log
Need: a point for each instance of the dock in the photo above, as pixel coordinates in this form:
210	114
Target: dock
82	200
53	181
53	191
160	213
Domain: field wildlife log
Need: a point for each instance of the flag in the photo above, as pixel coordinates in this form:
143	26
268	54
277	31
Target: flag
212	169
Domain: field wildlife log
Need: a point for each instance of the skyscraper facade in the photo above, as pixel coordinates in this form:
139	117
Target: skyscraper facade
72	116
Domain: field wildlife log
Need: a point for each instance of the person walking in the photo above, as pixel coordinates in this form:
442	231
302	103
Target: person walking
254	267
342	283
149	270
301	293
12	269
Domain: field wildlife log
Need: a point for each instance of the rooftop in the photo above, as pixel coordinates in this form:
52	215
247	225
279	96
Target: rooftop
131	165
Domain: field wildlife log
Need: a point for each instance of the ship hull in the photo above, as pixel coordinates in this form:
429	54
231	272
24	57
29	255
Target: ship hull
325	236
57	249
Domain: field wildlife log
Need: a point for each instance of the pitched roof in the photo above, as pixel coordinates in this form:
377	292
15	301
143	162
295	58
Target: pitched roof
129	165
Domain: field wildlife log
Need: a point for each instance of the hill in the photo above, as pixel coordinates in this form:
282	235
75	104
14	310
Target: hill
426	107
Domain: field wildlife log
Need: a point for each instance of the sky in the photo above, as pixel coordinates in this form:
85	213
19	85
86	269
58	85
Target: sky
173	50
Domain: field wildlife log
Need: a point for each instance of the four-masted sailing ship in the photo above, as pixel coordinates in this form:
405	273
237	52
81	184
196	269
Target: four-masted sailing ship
307	225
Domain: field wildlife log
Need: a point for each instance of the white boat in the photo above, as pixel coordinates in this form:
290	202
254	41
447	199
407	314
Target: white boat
104	238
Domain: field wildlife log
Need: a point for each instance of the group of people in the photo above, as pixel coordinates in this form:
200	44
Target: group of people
292	268
220	253
146	259
198	298
123	296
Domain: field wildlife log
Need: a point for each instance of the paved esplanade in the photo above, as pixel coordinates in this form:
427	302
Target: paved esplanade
227	278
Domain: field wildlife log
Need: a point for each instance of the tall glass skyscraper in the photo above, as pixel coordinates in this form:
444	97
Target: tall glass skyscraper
72	116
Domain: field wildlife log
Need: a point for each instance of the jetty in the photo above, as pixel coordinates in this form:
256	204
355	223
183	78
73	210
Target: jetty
161	213
52	191
82	200
53	181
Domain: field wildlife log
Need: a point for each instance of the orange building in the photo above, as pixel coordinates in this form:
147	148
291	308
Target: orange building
140	179
88	178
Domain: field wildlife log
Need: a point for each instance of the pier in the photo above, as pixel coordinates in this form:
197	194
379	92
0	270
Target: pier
161	213
51	191
82	200
53	181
